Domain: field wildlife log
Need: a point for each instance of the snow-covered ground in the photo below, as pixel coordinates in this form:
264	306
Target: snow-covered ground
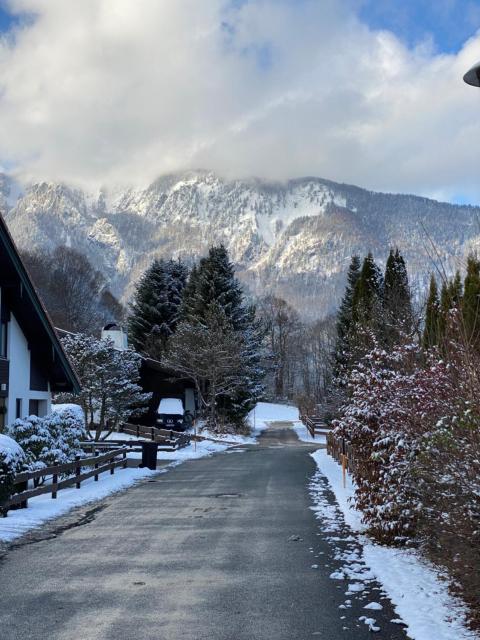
418	590
265	413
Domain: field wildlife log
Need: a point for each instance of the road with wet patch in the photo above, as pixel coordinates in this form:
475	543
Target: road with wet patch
222	548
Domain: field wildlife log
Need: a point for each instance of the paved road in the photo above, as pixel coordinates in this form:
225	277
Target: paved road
201	552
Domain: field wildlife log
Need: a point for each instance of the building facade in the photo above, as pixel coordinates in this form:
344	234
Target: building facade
33	364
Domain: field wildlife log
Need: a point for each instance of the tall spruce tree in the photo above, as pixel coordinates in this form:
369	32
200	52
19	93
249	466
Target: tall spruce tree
367	297
212	284
431	331
397	305
345	316
367	310
155	307
471	302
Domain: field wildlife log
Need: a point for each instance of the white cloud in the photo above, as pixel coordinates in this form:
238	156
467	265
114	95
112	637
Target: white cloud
113	91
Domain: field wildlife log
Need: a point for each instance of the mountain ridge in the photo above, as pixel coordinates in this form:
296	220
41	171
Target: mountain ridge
292	238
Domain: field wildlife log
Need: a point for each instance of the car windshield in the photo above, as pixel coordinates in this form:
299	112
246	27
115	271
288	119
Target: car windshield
170	406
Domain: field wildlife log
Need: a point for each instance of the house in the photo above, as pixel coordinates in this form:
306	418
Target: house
33	364
155	379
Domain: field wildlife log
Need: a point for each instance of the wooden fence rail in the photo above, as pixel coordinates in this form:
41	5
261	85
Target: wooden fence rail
338	447
315	425
74	470
176	439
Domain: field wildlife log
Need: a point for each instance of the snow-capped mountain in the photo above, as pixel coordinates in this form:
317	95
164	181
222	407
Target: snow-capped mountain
294	239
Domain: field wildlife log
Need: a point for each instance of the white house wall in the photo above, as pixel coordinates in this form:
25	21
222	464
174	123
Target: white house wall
19	382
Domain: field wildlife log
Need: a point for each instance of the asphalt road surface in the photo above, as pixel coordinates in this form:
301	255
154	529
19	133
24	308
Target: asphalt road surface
204	551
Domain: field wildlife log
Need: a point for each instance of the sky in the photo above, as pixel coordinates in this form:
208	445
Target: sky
113	92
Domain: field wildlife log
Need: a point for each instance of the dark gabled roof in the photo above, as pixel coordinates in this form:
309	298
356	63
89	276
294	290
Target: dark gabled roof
24	301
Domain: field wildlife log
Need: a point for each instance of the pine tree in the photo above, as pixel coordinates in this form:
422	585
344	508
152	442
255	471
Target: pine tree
211	288
367	313
431	332
398	317
455	290
214	281
344	316
471	302
156	305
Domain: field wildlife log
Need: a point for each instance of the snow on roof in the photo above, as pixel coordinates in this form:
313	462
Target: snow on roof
9	449
171	406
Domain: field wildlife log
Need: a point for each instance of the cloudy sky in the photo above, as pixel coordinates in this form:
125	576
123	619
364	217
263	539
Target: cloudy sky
104	92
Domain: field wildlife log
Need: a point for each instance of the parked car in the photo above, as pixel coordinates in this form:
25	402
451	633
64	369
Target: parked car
170	414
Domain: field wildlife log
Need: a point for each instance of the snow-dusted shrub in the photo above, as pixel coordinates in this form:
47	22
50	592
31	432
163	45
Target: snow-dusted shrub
413	419
45	440
67	431
373	422
34	438
12	461
74	408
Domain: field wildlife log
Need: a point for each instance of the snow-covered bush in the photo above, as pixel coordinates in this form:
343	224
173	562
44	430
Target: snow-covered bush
413	419
34	438
67	431
12	461
74	408
45	440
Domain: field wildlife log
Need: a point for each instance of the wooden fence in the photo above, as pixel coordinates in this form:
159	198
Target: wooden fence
338	447
173	439
75	471
315	425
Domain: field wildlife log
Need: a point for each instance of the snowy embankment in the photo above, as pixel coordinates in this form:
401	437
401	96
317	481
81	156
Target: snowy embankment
417	589
266	412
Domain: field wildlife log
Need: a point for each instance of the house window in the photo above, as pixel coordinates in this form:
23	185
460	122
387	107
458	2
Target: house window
18	408
33	407
3	339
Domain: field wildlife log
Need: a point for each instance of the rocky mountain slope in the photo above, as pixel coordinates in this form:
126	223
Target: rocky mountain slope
293	239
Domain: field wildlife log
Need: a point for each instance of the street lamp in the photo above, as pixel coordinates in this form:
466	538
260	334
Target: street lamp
473	76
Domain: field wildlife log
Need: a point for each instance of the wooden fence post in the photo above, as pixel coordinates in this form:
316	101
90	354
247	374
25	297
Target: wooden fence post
54	481
77	471
112	460
153	433
124	454
95	477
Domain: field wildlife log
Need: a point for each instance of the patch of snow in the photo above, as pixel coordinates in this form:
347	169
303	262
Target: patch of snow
74	408
171	406
11	451
265	413
418	590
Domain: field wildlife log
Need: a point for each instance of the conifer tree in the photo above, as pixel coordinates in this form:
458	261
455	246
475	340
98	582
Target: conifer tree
396	299
345	313
213	287
367	297
156	305
471	302
444	313
367	309
214	281
455	289
431	332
